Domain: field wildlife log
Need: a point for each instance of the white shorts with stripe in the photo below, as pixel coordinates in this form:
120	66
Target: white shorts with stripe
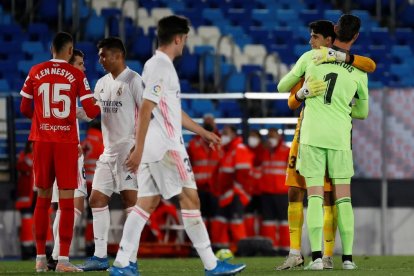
81	190
166	177
111	174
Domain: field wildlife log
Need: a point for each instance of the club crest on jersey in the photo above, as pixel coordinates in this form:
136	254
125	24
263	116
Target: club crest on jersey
119	92
86	83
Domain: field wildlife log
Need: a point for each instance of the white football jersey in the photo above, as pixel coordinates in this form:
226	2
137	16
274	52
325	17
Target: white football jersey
163	88
119	100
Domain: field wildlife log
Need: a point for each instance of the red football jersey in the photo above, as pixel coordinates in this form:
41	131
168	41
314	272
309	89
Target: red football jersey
54	87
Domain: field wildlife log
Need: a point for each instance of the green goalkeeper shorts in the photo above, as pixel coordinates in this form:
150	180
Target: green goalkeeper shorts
314	162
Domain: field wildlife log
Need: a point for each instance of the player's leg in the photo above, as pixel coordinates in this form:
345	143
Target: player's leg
102	189
312	164
147	202
129	199
44	175
340	166
66	166
329	225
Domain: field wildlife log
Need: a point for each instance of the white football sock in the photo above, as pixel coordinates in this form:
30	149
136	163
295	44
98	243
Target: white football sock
56	247
101	223
197	232
131	234
134	254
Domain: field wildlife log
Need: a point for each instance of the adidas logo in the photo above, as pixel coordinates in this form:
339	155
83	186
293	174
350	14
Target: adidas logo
128	177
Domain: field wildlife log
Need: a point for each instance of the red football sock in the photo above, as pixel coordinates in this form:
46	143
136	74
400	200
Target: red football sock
66	225
41	221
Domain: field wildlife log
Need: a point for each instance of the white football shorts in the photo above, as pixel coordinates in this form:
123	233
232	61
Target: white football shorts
111	174
166	177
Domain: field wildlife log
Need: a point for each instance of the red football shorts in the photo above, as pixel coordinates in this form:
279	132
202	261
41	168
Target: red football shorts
55	160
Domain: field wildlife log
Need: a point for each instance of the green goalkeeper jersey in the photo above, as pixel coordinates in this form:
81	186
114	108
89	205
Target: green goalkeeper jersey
327	121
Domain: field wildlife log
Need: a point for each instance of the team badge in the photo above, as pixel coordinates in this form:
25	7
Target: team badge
156	89
86	84
119	92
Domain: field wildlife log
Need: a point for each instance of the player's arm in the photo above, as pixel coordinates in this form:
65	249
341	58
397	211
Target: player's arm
363	63
360	107
325	54
293	101
189	124
86	97
294	76
144	118
26	105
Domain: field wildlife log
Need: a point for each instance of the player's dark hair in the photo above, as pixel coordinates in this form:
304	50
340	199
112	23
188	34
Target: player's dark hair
232	128
170	26
60	40
112	43
324	28
76	53
348	27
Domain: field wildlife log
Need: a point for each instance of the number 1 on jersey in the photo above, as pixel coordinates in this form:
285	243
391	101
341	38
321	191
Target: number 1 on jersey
331	79
44	89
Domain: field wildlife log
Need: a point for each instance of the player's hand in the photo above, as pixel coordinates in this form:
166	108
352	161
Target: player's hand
211	138
324	54
81	114
311	88
133	161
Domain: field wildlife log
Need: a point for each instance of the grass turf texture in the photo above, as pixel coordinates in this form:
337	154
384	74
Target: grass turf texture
378	265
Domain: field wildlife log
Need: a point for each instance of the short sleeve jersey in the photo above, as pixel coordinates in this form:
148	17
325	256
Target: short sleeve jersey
119	100
327	121
54	87
163	88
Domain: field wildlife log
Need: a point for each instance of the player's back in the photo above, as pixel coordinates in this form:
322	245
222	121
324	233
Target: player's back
327	118
54	86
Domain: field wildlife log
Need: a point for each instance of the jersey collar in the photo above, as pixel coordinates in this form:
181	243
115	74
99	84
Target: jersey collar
163	55
121	76
58	60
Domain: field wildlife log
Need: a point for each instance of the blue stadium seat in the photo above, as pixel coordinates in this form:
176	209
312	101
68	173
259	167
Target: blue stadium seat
301	49
142	48
201	107
403	36
185	87
229	108
400	53
332	15
4	86
95	28
309	16
31	47
135	65
38	32
380	36
11	33
236	83
23	66
188	67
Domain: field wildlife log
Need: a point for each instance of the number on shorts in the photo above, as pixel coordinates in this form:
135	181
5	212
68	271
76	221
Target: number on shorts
187	162
292	162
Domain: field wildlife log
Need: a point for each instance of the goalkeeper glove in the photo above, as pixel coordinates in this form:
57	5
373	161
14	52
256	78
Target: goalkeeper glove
324	54
311	88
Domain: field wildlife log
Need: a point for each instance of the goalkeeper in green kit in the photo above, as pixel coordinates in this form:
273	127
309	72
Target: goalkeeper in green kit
335	92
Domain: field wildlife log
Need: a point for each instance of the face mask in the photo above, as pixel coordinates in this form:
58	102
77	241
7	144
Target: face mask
225	139
253	141
208	127
273	142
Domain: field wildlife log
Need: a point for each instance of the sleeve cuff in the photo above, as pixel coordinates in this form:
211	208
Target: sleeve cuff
84	97
24	94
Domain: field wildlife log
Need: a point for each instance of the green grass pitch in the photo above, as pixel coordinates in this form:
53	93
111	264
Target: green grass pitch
378	265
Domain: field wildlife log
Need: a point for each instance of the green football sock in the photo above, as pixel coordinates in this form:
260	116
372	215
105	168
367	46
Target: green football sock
346	224
314	219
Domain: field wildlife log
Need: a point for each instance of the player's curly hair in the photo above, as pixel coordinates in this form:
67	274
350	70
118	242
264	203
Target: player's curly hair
324	28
